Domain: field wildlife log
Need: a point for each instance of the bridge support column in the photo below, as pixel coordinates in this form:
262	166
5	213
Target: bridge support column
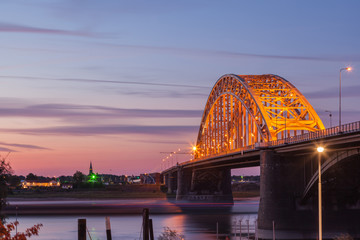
280	183
170	181
183	182
204	185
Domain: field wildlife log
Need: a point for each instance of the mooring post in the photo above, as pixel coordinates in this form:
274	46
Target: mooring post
256	238
240	229
108	228
145	224
151	229
273	222
81	229
217	230
248	228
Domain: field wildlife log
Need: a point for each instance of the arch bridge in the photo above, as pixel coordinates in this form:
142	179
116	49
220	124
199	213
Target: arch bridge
243	110
263	120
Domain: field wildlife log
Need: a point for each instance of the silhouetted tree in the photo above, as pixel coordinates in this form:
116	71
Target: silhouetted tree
31	176
14	181
64	179
78	178
5	172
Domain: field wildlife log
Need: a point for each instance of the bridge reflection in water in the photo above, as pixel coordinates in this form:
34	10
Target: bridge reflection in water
263	120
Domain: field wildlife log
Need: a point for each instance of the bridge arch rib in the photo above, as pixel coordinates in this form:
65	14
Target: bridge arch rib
243	110
330	162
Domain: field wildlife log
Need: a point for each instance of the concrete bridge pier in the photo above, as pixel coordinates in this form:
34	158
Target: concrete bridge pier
210	185
171	182
281	181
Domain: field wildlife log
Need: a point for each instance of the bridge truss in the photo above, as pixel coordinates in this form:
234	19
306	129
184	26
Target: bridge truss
243	110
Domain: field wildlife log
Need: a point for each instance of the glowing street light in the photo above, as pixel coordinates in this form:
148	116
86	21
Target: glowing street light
342	69
320	150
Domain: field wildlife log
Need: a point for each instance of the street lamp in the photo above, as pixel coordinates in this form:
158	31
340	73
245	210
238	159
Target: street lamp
330	115
320	150
342	69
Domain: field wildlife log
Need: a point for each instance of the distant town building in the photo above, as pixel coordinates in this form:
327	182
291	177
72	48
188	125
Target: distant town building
150	178
39	183
67	186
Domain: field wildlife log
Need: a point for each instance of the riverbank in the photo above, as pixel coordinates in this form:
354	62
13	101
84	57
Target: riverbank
109	192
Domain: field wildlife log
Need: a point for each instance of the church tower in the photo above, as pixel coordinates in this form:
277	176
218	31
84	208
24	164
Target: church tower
90	169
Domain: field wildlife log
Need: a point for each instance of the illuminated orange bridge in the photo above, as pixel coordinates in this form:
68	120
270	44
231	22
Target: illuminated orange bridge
263	120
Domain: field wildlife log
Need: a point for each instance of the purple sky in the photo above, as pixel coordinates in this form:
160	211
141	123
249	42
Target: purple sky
119	82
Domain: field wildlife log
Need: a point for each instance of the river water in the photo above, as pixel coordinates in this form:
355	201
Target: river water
194	221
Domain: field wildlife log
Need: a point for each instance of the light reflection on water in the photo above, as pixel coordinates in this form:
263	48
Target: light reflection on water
193	223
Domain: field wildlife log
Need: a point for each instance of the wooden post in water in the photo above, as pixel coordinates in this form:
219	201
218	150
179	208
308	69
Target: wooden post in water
240	229
145	224
273	230
151	229
248	228
256	238
108	228
217	230
81	229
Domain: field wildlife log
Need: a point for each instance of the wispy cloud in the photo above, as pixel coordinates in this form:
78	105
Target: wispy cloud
223	53
106	81
348	91
16	28
173	93
161	141
106	130
4	149
68	111
26	146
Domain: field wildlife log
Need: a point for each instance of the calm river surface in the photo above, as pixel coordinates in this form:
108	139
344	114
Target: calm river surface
195	221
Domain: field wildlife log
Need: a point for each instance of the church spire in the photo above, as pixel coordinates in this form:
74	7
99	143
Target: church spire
90	169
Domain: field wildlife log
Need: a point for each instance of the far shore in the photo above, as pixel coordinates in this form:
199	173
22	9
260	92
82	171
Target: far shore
127	192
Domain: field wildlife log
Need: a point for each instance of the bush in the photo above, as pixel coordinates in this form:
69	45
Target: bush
344	237
169	234
6	229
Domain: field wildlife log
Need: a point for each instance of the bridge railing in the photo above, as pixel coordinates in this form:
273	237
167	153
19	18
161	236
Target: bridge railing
346	128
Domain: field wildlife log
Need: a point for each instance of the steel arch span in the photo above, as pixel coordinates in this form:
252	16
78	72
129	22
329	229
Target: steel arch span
246	109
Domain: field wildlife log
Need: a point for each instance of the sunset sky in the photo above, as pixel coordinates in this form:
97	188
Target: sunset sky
118	82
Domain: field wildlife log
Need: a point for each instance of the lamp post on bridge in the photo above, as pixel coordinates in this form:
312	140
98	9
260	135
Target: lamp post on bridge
330	115
320	150
341	69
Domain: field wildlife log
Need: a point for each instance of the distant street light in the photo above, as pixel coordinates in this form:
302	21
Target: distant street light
342	69
330	115
320	150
